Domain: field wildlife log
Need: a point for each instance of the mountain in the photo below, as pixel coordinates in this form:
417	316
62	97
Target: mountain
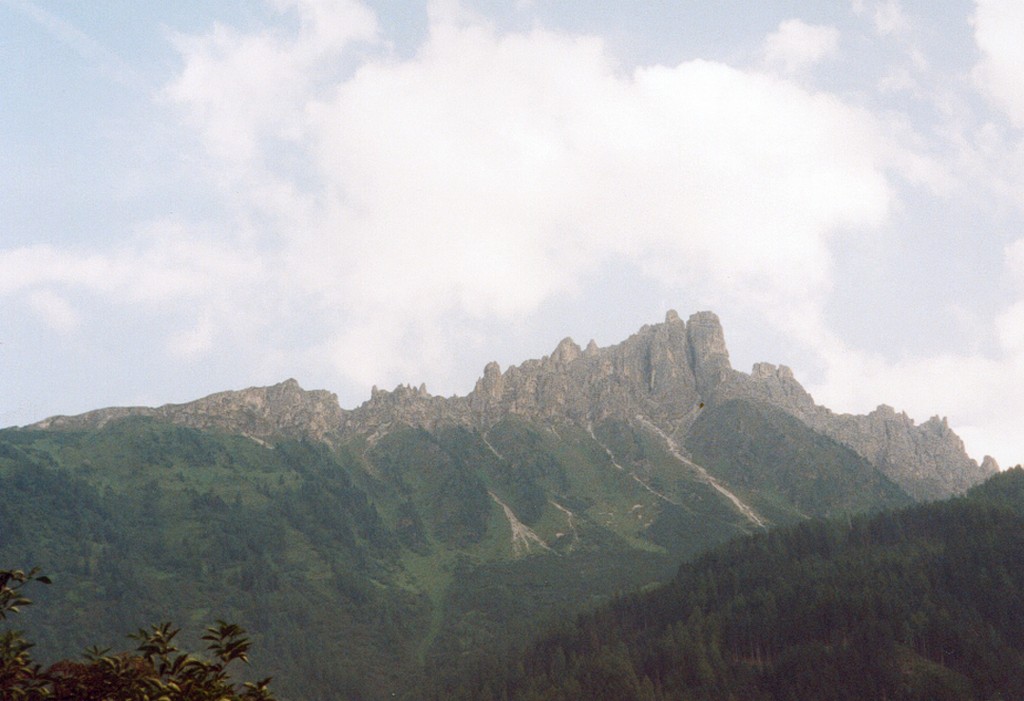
371	549
920	603
663	375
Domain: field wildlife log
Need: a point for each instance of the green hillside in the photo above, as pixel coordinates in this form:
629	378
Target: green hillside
362	568
785	468
921	603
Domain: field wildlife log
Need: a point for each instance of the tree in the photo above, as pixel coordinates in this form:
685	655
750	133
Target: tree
156	671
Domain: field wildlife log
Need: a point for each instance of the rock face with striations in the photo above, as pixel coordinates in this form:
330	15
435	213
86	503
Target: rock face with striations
662	375
648	373
707	353
928	461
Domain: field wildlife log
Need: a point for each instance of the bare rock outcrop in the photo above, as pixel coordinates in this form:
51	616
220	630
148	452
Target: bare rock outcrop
404	406
650	373
664	373
708	355
284	409
928	460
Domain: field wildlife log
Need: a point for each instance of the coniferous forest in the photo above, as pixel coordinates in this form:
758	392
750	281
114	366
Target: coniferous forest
918	604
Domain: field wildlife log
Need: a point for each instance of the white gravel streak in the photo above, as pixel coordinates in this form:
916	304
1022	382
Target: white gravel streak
523	538
570	518
743	508
488	444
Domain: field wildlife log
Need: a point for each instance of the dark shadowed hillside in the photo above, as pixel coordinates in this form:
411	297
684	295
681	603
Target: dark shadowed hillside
921	603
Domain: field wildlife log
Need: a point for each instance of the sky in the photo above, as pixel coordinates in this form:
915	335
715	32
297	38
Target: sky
199	196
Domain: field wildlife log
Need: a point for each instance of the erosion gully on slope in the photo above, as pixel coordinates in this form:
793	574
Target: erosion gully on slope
522	535
673	449
636	477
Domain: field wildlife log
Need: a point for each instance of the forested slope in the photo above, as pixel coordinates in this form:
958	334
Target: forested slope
922	603
364	567
354	567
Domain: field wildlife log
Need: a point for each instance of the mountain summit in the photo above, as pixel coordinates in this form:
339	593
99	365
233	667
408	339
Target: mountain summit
665	375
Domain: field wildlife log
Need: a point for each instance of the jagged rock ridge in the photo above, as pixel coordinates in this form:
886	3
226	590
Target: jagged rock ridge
926	460
284	409
663	374
666	373
658	372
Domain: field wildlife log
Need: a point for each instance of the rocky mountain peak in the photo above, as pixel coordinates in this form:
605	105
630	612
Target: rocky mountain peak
281	409
709	357
928	461
490	384
566	352
648	373
663	374
989	465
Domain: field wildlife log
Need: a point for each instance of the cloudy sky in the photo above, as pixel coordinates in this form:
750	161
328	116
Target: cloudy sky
204	196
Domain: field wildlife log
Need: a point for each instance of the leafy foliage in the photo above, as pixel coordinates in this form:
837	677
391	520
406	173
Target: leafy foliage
157	670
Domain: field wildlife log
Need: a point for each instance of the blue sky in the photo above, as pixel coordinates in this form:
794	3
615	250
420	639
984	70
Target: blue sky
205	196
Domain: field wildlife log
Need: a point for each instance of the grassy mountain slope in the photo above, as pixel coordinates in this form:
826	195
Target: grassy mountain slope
359	567
785	468
202	527
921	603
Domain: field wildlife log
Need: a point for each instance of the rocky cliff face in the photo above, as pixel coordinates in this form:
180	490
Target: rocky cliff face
666	373
663	375
649	373
284	409
928	461
656	373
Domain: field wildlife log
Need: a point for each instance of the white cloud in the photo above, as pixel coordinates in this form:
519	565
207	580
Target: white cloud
889	18
1010	328
26	267
796	46
481	177
196	341
378	197
54	310
978	390
331	25
166	264
240	88
998	27
1014	256
861	380
165	273
1010	323
491	160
